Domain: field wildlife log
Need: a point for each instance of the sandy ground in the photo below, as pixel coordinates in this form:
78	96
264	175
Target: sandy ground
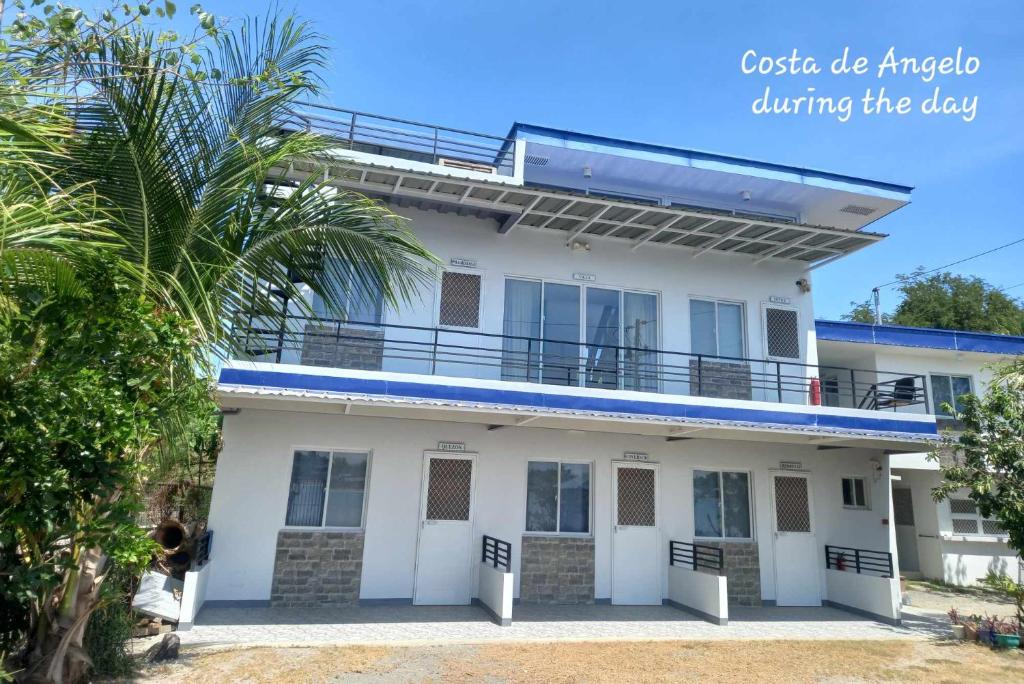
661	661
937	598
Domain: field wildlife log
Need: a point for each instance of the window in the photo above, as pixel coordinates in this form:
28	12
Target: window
854	492
967	519
363	302
947	389
721	504
328	489
460	300
716	328
782	331
558	497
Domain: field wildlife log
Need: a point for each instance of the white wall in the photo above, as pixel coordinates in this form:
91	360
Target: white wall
496	588
193	595
253	471
673	273
700	591
871	594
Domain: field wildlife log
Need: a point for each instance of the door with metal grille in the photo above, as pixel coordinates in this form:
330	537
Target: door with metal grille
636	542
797	574
444	552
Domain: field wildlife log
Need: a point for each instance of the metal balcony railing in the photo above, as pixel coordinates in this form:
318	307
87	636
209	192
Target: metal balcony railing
696	556
471	354
860	561
405	139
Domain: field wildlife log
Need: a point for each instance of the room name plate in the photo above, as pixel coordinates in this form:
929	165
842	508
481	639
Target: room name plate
451	446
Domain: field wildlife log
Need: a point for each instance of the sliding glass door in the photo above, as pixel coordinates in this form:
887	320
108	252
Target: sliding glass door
594	336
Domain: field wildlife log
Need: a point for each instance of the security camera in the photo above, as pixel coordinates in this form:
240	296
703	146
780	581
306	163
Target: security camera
804	285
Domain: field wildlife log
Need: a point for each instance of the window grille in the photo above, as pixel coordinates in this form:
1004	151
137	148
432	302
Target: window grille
965	526
636	497
449	489
783	333
792	505
460	300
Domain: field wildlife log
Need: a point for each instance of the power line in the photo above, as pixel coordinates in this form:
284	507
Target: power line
955	263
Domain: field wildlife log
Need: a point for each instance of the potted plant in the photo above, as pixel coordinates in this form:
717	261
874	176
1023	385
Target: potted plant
986	628
971	629
956	625
1006	634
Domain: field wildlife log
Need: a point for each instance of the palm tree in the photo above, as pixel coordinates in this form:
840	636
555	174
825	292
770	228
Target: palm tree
188	175
177	175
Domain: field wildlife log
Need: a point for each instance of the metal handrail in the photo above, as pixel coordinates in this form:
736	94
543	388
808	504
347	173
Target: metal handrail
696	556
496	552
861	561
562	362
436	143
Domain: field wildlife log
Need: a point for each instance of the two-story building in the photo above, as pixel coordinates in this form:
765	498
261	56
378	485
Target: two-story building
947	540
611	385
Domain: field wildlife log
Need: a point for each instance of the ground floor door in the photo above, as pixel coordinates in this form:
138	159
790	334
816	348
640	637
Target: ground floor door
906	531
444	552
797	575
636	540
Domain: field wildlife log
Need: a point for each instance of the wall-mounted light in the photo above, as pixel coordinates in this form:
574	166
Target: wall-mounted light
587	172
579	246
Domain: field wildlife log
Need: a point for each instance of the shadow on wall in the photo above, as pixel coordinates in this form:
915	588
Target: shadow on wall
972	568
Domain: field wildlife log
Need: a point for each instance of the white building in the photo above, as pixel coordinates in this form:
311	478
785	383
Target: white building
613	384
949	540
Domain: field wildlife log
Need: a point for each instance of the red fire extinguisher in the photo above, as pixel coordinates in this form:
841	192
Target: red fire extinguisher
815	392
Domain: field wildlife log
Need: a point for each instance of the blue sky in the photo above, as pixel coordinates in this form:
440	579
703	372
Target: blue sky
669	72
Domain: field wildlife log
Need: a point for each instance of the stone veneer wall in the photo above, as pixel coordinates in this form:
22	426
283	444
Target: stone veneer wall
742	570
354	348
556	570
313	568
720	379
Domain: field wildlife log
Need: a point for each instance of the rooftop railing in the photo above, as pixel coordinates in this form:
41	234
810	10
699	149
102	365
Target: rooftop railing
471	354
405	139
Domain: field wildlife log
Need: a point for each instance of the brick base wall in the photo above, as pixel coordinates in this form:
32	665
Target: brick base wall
556	570
355	348
742	570
720	379
313	568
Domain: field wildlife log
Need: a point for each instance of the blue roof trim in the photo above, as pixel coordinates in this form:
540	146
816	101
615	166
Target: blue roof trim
929	338
544	400
525	130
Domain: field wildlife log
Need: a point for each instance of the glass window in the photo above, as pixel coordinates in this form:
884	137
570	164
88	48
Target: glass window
967	519
854	492
721	504
562	334
948	389
520	357
602	317
327	489
716	328
558	497
363	302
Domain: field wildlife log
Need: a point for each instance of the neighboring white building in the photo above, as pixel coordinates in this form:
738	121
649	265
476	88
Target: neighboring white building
613	384
948	540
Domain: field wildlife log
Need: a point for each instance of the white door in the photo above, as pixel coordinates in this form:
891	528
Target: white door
906	532
797	576
636	542
444	553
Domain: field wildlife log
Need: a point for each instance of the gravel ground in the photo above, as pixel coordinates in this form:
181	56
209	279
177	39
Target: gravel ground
935	598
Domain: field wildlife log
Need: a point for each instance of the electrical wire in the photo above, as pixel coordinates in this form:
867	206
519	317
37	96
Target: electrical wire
955	263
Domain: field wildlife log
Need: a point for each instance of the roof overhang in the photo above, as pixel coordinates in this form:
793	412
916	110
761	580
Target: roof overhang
919	338
512	404
578	216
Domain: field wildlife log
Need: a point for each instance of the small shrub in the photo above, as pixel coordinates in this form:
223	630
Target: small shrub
109	632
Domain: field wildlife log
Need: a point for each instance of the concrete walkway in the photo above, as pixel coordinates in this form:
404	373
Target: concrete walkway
399	625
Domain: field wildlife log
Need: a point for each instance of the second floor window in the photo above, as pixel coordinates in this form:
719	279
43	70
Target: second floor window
948	389
558	497
716	328
363	302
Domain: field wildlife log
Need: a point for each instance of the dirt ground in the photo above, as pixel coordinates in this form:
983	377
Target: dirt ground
967	600
652	661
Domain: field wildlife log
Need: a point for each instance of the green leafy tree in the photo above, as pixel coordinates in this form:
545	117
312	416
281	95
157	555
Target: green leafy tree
90	384
988	457
949	301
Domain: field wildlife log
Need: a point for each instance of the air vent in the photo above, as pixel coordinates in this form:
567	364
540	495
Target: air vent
536	160
858	210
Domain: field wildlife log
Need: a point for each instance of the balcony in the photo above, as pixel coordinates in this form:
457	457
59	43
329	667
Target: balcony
384	136
469	354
